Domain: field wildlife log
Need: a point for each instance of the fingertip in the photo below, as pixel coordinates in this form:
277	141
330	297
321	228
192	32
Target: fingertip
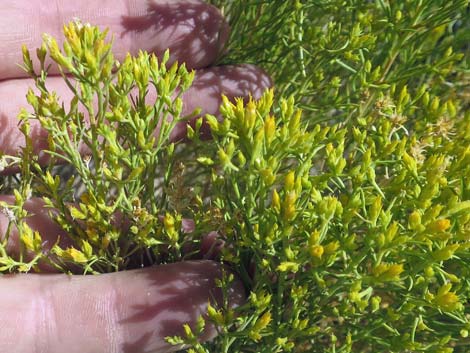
164	298
211	245
253	80
129	311
195	32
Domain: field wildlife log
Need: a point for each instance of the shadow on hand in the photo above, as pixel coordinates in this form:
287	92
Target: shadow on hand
7	139
12	140
194	32
179	295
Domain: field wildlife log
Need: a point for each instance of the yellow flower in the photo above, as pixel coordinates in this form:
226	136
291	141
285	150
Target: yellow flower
445	253
288	206
316	251
70	254
331	247
439	225
260	325
289	181
288	266
387	272
276	201
445	299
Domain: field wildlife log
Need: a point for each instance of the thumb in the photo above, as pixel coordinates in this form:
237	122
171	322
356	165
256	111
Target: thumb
128	312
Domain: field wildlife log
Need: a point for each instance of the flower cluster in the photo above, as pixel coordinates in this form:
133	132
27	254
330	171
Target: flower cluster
330	239
117	141
348	222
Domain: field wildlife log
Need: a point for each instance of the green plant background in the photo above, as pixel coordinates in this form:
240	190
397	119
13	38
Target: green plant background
388	83
348	222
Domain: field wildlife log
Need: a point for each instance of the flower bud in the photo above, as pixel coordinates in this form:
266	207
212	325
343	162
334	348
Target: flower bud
288	206
276	201
269	129
289	181
316	251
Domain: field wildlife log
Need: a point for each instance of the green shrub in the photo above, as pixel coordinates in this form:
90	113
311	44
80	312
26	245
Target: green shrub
349	223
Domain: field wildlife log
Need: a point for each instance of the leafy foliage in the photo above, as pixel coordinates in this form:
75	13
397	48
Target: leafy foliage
348	223
355	240
336	57
107	133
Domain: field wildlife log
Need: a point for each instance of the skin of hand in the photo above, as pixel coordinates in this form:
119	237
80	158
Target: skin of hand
130	311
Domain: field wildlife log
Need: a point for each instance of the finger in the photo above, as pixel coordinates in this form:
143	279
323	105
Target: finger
194	32
125	312
209	85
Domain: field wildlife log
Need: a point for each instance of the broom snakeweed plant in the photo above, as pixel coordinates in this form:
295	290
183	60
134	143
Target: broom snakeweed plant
108	133
351	235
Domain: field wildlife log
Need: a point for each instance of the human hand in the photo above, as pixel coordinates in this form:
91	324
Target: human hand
129	311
